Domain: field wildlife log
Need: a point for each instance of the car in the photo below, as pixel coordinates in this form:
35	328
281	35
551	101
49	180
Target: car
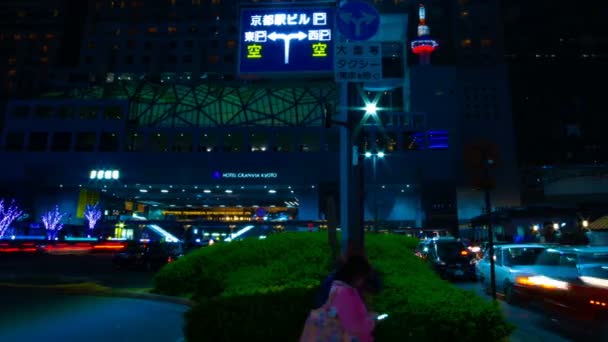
570	281
510	261
149	256
449	257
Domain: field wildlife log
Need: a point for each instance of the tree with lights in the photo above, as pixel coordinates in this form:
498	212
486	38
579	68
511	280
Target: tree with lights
9	212
52	222
92	213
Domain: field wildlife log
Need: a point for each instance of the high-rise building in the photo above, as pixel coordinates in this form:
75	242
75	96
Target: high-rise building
159	99
555	68
36	37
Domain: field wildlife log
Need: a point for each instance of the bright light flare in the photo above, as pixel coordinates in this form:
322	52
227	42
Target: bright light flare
544	282
593	281
371	109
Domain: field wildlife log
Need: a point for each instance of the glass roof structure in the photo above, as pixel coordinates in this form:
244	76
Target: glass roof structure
210	105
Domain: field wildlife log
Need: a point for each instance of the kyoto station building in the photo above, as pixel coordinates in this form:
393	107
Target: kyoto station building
215	111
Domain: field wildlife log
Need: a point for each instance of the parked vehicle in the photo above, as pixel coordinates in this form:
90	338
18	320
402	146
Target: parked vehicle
147	256
449	257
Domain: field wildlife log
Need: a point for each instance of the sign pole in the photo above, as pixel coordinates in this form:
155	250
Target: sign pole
486	169
346	222
357	21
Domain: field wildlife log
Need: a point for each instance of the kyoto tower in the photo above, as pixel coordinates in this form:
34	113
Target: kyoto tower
423	46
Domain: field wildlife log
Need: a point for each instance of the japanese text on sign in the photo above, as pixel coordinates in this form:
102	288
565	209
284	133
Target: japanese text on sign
358	62
293	39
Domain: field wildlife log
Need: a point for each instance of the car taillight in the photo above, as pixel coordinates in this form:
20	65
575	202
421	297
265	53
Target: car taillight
597	302
169	259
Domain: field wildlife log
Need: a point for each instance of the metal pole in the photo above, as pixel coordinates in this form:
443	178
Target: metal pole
486	166
345	159
375	179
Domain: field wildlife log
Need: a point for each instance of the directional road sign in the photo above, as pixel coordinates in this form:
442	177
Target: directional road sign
358	20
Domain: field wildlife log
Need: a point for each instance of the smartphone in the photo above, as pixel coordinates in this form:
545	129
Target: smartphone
381	317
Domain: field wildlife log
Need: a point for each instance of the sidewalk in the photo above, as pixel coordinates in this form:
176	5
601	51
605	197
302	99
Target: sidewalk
80	287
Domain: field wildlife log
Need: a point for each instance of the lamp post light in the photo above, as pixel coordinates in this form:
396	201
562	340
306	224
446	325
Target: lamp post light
374	157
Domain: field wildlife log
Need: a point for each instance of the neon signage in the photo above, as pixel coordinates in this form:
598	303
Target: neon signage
286	40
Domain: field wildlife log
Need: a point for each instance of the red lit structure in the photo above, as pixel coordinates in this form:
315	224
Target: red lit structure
423	46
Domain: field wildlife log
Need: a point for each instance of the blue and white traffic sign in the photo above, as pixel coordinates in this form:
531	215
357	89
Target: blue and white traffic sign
358	20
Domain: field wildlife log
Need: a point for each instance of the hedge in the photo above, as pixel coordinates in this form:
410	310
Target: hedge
263	290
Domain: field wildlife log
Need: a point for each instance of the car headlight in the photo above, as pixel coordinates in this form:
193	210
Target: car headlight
544	282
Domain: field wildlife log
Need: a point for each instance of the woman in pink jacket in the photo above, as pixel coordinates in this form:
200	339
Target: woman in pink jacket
346	299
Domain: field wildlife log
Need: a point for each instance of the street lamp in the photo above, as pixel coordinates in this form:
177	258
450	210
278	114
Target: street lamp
374	157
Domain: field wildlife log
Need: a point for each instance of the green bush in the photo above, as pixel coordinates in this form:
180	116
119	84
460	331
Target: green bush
263	289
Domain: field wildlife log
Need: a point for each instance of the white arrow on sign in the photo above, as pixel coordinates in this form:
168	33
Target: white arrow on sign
365	18
287	39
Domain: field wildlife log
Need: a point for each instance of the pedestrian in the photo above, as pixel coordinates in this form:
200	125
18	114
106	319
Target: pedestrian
344	316
372	285
347	300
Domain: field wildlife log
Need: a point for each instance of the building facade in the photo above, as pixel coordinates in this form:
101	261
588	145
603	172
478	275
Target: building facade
159	100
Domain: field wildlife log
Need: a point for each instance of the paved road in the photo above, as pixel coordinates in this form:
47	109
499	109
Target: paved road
86	267
532	325
32	316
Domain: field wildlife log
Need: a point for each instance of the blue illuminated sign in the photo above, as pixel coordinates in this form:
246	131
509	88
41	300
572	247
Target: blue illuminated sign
358	20
286	40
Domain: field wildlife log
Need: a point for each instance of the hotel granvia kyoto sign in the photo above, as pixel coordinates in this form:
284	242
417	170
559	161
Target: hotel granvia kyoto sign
286	40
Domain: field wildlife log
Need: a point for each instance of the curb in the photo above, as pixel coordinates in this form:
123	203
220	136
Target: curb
95	289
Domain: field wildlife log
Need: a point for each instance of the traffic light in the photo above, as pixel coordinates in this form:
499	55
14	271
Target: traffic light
328	113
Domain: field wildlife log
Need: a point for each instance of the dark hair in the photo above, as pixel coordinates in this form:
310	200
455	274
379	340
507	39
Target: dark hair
355	267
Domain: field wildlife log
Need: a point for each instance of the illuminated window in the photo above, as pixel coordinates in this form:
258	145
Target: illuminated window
49	36
464	13
33	36
12	60
152	30
17	37
172	2
486	43
44	60
12	72
55	13
231	44
465	43
172	29
216	2
44	48
196	2
213	59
